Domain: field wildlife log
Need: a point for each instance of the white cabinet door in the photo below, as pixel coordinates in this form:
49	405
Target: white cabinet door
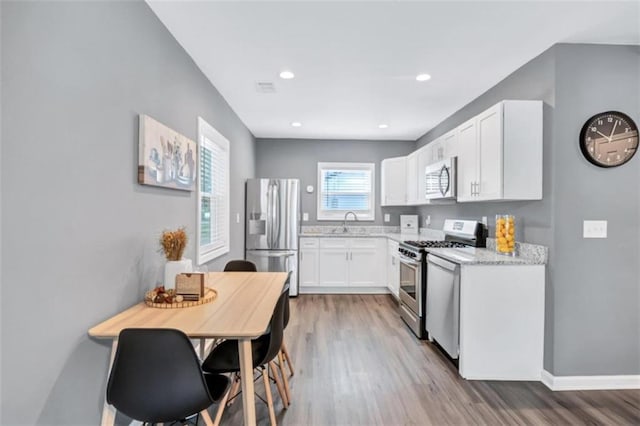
364	268
393	180
490	154
393	274
449	143
467	160
309	262
334	265
437	150
424	156
366	262
412	178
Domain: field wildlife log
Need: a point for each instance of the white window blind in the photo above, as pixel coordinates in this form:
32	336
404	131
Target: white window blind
344	187
213	193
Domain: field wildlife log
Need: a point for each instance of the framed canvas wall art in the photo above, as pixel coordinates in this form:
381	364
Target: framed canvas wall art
165	157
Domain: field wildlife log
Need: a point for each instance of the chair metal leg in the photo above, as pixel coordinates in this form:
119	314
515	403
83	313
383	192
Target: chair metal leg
267	389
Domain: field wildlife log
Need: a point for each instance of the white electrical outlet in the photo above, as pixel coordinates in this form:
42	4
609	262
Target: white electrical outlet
305	217
237	217
594	229
387	217
427	221
484	221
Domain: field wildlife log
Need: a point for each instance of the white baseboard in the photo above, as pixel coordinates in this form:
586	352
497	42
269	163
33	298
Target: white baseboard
565	383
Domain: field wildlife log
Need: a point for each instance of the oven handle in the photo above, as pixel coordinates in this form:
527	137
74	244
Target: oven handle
408	260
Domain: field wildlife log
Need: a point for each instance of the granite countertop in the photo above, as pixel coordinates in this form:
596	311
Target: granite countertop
527	254
483	256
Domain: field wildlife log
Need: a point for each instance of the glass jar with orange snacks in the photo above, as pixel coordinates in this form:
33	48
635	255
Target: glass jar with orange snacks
506	234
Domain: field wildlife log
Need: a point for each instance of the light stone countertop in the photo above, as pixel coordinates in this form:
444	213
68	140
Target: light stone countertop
528	254
483	256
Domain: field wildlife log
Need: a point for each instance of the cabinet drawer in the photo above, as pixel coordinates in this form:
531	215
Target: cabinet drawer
309	243
334	243
364	243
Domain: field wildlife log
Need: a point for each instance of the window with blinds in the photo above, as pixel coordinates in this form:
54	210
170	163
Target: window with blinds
213	193
345	187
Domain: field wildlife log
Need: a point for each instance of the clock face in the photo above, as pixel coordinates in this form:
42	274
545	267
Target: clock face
609	139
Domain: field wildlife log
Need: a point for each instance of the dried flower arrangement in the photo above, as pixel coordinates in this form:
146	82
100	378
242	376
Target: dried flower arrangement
173	243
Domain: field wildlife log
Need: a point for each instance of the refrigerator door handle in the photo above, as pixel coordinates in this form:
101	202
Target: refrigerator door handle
270	215
276	212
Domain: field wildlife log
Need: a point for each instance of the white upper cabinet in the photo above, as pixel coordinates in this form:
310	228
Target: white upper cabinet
449	144
424	159
500	153
467	160
437	150
499	156
393	178
412	179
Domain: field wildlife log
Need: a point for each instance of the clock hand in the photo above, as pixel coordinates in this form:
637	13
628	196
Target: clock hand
603	135
613	130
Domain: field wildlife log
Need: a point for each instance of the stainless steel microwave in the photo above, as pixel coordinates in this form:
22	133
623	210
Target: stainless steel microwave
440	180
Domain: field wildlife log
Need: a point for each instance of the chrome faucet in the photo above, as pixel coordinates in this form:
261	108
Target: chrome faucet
344	223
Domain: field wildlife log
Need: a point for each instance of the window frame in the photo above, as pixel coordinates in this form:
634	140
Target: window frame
333	215
208	134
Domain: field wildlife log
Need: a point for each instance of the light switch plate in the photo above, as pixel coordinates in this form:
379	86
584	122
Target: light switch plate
305	217
387	217
594	229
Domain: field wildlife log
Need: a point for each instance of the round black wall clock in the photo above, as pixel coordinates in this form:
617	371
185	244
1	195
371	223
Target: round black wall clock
609	139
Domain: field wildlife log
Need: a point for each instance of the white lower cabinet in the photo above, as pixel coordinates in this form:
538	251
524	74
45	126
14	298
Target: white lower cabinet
308	265
393	269
343	265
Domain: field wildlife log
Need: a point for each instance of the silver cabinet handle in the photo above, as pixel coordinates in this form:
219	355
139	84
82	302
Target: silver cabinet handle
351	256
346	254
301	256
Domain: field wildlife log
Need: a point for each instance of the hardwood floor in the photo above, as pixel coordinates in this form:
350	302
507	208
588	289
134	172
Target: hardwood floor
358	364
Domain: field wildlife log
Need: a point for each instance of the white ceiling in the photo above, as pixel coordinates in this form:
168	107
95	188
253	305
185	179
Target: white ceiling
355	62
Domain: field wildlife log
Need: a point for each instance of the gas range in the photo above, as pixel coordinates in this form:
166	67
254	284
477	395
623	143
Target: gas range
414	248
459	235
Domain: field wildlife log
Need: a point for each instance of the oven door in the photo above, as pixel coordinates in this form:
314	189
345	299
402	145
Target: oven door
410	285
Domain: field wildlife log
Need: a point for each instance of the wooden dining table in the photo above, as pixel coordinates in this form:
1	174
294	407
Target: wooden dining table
242	310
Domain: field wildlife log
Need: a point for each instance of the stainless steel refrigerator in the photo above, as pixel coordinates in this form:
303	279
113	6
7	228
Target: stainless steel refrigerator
271	233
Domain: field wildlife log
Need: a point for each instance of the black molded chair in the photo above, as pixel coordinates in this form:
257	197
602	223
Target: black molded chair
156	377
240	266
225	358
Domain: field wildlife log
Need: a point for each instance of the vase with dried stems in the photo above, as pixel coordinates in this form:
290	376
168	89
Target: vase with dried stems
172	245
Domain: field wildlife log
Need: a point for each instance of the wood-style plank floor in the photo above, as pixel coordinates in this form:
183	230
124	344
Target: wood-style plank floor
358	364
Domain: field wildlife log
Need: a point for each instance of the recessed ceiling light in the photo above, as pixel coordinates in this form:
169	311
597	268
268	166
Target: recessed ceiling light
423	77
287	75
383	126
296	124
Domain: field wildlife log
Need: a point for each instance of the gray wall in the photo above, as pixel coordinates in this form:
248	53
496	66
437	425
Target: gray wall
80	235
593	286
299	158
596	281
